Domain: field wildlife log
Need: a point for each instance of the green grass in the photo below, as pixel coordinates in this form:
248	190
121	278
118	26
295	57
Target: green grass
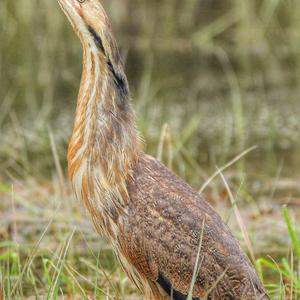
287	269
233	66
53	252
209	79
59	257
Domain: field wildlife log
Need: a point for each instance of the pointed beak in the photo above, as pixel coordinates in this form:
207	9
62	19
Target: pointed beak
72	9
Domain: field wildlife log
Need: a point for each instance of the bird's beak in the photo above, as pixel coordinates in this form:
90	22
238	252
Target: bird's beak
72	9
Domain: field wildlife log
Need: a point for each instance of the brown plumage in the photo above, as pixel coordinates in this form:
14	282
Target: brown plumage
162	231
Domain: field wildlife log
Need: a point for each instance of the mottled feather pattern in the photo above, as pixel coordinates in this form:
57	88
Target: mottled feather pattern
152	218
165	219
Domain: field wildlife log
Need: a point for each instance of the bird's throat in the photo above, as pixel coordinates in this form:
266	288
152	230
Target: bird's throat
104	144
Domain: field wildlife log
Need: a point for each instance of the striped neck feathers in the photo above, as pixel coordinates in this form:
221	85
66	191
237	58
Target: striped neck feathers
104	138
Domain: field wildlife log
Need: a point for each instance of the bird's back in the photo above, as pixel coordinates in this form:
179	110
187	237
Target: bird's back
155	221
166	224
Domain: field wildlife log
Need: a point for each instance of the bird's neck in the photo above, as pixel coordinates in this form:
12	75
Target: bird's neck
104	144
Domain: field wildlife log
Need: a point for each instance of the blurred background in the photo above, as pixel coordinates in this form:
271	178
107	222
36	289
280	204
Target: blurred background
209	80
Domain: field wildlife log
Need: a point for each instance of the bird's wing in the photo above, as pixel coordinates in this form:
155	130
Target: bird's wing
167	224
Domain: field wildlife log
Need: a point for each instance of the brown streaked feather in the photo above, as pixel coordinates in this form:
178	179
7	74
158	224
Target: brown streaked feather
161	232
153	219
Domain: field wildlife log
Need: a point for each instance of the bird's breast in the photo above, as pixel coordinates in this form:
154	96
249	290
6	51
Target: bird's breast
104	200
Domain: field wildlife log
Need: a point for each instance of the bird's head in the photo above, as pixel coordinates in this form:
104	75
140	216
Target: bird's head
91	24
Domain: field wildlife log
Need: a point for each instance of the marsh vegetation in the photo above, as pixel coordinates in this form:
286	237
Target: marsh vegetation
209	79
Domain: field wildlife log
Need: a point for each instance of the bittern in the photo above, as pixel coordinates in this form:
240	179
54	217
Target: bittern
168	239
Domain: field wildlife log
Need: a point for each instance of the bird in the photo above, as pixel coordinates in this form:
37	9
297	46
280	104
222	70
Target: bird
168	239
